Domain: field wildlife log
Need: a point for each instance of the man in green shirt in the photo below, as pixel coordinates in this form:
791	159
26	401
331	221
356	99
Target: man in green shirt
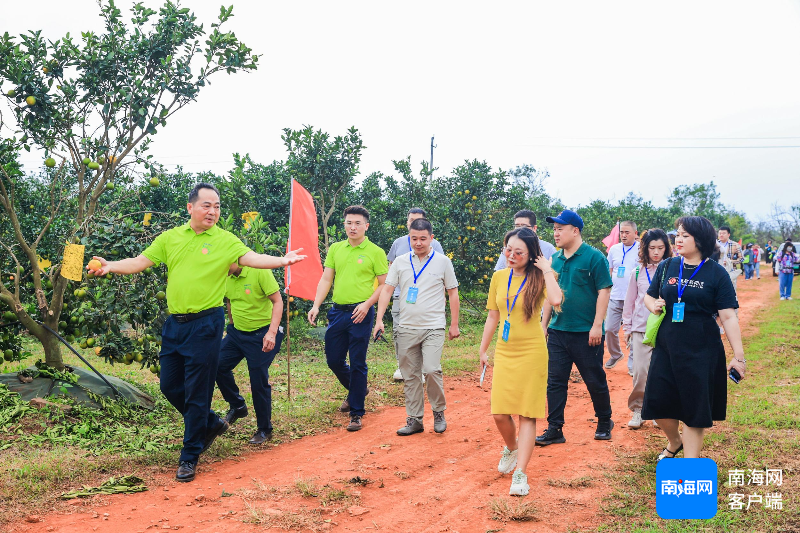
351	266
198	256
254	333
575	333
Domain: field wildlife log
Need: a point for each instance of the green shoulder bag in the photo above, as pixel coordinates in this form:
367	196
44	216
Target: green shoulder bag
654	321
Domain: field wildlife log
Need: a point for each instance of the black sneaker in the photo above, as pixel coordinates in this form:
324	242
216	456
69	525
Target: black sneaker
215	432
186	471
551	436
604	428
235	414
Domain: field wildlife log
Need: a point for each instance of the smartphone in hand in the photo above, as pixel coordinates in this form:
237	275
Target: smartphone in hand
735	376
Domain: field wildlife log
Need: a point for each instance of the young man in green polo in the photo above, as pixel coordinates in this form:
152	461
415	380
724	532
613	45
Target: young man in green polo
351	267
198	255
575	333
255	307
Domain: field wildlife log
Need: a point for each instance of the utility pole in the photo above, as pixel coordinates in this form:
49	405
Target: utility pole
432	147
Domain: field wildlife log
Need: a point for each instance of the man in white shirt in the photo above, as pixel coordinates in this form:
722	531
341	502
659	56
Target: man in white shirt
622	260
423	276
526	219
400	246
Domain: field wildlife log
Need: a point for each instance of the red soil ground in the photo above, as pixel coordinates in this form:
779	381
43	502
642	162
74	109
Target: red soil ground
426	482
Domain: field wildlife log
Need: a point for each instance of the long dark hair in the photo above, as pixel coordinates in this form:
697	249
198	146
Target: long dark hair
533	295
654	234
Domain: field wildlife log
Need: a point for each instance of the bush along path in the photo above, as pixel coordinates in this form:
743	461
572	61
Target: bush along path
375	480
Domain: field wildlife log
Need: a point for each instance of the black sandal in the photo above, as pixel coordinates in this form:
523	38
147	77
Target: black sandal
672	455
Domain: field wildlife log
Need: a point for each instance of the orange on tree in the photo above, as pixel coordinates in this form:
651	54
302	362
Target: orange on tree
31	100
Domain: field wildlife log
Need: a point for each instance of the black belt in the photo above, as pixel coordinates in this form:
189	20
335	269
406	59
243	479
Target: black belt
188	317
347	307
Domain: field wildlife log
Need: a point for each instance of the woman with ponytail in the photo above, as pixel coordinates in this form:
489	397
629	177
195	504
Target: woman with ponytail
520	360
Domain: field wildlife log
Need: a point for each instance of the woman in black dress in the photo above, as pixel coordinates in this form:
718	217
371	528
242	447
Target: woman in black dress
688	378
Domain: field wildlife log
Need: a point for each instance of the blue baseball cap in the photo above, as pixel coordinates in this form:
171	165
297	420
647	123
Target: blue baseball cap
567	217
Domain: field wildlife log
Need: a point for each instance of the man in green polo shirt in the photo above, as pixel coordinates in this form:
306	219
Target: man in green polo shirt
253	333
575	333
352	267
198	255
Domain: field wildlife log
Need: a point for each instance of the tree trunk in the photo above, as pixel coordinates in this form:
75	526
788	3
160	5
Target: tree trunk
52	350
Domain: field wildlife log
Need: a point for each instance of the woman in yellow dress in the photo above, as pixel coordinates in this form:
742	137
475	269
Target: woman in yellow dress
519	384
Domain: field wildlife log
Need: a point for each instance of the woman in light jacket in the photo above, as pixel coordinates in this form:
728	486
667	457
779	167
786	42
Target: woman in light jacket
655	246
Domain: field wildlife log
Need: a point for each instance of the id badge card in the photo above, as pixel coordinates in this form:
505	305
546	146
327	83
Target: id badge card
620	271
411	297
506	330
678	310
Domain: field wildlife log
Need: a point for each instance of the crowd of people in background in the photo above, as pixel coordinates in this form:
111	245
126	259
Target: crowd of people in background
564	305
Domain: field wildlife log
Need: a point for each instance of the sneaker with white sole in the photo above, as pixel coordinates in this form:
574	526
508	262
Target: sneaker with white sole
655	424
611	363
636	419
398	376
508	461
783	297
519	484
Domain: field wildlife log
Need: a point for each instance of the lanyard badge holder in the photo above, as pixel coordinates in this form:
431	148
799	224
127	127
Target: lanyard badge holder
621	269
507	323
411	297
679	309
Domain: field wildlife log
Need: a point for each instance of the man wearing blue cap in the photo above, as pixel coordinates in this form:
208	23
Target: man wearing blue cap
575	333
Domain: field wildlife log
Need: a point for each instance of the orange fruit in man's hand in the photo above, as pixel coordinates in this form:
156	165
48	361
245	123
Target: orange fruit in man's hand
94	265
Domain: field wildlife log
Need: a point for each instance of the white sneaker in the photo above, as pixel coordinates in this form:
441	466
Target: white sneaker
398	376
655	424
636	419
508	461
783	297
788	297
519	484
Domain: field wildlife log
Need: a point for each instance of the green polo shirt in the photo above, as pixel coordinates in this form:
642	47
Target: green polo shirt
581	277
249	295
355	270
197	264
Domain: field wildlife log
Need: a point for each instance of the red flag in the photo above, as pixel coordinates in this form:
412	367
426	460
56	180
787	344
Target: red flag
613	237
301	278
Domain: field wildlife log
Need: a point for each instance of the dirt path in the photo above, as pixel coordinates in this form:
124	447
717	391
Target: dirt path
426	482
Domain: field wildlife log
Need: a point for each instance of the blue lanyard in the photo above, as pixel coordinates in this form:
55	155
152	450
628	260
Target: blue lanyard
510	275
411	259
649	281
410	249
681	284
625	252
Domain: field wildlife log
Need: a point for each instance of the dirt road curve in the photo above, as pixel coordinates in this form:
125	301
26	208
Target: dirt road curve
426	482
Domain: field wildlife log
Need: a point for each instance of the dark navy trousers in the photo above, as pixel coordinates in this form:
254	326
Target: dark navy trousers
188	359
341	337
565	348
238	345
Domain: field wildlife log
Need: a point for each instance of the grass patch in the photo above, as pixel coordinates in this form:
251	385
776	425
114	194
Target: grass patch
506	510
44	453
762	431
301	520
306	487
577	483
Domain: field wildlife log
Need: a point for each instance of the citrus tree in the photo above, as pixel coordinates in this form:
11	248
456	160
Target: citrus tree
93	106
324	166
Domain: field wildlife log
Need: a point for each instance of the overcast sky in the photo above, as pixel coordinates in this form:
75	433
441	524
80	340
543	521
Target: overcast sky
595	92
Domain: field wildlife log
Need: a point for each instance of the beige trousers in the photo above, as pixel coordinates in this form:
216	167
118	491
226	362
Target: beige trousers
420	351
641	365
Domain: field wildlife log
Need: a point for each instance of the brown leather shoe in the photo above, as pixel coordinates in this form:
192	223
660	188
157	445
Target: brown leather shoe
345	407
355	423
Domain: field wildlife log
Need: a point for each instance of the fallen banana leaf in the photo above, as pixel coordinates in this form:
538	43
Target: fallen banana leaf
122	485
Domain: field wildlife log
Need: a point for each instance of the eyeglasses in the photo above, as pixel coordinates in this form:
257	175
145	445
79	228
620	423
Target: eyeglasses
512	253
